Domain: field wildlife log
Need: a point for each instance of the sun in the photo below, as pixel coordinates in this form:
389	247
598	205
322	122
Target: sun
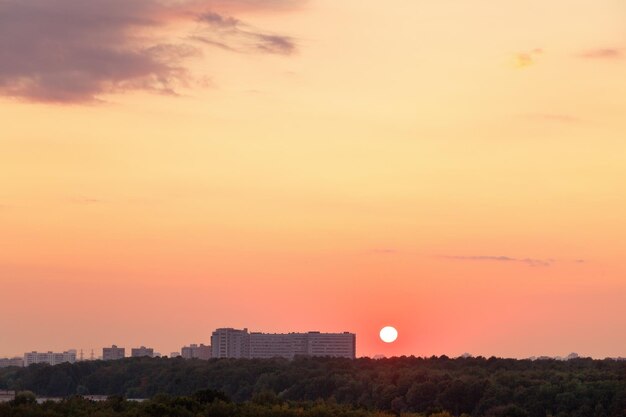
388	334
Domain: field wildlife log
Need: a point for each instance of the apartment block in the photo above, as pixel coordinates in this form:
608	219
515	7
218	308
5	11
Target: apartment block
331	344
6	362
196	352
233	343
113	353
230	343
268	345
142	351
51	358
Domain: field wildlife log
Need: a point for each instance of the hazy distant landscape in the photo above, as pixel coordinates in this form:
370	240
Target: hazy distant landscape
294	208
326	386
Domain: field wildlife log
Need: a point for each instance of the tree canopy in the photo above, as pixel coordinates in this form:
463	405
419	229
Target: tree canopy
471	386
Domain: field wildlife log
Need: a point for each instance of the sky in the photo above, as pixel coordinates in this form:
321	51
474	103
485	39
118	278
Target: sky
455	169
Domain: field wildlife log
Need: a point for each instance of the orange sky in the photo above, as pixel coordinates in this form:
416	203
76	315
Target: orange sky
455	169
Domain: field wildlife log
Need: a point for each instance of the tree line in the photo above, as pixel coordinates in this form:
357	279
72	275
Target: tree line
425	386
206	403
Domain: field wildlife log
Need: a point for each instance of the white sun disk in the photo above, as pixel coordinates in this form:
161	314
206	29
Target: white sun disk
388	334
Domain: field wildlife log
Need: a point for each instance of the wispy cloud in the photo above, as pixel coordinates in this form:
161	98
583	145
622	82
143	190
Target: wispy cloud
234	6
490	258
553	117
385	251
231	34
75	51
81	199
603	53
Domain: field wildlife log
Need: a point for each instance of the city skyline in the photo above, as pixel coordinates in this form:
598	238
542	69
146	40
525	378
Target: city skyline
197	349
454	169
225	343
12	360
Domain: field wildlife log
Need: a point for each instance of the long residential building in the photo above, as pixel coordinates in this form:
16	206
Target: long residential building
332	344
51	358
196	352
234	343
6	362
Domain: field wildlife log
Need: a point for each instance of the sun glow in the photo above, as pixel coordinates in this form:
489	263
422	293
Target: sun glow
388	334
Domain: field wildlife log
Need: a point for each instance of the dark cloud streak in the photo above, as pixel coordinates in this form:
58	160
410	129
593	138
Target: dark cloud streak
527	261
75	51
231	34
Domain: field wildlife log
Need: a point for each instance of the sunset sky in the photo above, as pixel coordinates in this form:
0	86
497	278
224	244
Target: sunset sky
456	169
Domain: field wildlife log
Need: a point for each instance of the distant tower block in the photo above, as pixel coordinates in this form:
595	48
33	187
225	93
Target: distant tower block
142	351
113	353
82	358
91	357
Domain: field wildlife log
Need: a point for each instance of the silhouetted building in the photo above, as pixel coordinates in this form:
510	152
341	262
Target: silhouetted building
272	345
230	343
6	396
339	345
233	343
142	351
51	358
113	353
6	362
196	352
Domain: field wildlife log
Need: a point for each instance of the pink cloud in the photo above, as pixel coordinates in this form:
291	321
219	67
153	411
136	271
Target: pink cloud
603	53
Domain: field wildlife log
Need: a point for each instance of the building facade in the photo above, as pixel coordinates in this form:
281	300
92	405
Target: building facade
233	343
51	358
196	352
230	343
272	345
113	353
142	351
342	345
6	362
